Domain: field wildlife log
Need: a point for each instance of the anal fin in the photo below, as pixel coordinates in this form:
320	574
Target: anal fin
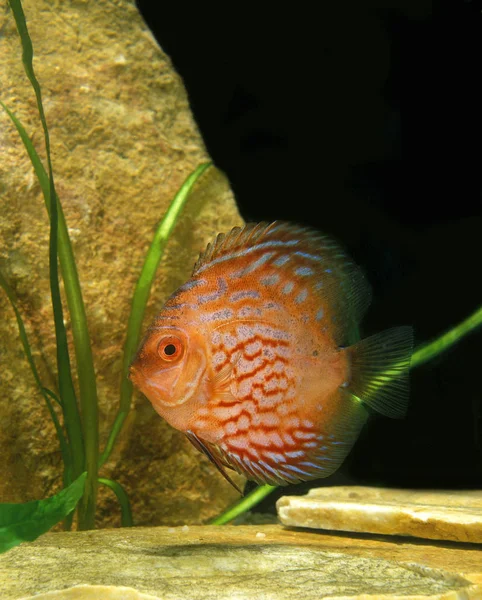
210	451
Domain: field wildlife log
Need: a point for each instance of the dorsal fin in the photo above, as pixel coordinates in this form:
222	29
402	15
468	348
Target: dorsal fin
336	279
237	238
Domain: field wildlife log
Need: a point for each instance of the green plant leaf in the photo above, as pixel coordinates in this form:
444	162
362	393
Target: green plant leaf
38	167
83	434
122	498
25	522
46	393
426	352
72	289
141	295
67	261
243	505
70	410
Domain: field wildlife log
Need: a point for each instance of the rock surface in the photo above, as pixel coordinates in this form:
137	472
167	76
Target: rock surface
123	141
437	515
263	562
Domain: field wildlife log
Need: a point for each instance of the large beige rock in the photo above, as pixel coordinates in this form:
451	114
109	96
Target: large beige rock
218	563
436	515
123	141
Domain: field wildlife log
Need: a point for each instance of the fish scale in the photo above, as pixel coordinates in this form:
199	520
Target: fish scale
256	358
256	430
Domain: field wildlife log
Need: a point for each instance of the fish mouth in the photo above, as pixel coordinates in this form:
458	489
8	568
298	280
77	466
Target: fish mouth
141	381
204	448
151	391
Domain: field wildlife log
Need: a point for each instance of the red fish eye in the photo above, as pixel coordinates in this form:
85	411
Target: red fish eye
170	348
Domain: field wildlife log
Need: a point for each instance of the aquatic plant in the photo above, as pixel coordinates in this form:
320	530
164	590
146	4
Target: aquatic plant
79	443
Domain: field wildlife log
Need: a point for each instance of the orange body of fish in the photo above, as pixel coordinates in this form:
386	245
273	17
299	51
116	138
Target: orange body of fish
257	359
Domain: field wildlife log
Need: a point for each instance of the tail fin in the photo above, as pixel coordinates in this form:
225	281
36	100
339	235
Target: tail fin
379	371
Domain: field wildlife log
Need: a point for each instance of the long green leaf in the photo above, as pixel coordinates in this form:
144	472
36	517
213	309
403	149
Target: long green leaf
426	352
64	448
66	387
140	297
54	397
38	167
25	522
72	285
122	498
85	367
243	505
66	255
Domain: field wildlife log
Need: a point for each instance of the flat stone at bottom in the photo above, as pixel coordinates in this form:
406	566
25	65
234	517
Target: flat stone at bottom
209	563
436	515
94	592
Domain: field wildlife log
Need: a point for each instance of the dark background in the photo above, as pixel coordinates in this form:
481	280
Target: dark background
362	120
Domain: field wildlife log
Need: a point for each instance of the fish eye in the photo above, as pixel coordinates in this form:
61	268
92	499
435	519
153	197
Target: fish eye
170	348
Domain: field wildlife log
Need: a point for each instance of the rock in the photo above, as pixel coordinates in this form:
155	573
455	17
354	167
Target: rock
436	515
95	592
214	563
123	141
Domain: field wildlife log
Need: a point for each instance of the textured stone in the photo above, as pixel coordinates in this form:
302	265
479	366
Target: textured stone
123	141
218	563
94	592
437	515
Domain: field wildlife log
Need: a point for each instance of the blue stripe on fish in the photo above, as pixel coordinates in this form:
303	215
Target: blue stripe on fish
222	288
262	260
226	313
192	283
246	251
282	260
304	271
314	257
243	295
270	280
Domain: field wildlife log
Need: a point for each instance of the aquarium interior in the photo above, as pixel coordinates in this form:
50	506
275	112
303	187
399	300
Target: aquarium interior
363	125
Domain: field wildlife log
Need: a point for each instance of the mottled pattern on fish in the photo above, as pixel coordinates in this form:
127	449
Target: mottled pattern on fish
264	379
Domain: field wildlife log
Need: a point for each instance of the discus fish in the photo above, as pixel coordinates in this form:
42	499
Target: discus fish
257	357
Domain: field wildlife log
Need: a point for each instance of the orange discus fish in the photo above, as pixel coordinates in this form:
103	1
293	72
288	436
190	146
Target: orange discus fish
257	360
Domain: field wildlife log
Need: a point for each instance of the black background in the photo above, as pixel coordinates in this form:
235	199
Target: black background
362	120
